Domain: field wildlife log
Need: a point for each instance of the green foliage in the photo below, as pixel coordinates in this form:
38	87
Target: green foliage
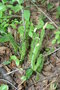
3	87
57	37
50	6
31	30
17	61
20	1
4	23
29	72
39	64
26	15
24	41
9	37
23	50
37	50
58	12
2	9
34	42
30	40
50	26
40	24
49	50
17	8
23	78
26	33
36	58
14	23
6	62
4	1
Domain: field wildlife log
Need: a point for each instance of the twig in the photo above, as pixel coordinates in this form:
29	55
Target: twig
45	14
11	72
52	52
6	81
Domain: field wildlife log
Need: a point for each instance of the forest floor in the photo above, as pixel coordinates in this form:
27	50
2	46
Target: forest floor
49	78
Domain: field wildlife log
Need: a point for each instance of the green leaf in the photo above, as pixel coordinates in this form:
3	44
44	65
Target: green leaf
26	15
23	78
23	50
40	25
50	6
21	30
57	32
50	26
2	32
6	62
57	36
20	1
41	61
58	11
2	7
3	87
4	1
17	8
6	25
10	38
54	41
13	57
13	26
29	73
39	65
1	14
58	42
31	30
49	50
13	0
37	76
37	49
31	34
10	6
